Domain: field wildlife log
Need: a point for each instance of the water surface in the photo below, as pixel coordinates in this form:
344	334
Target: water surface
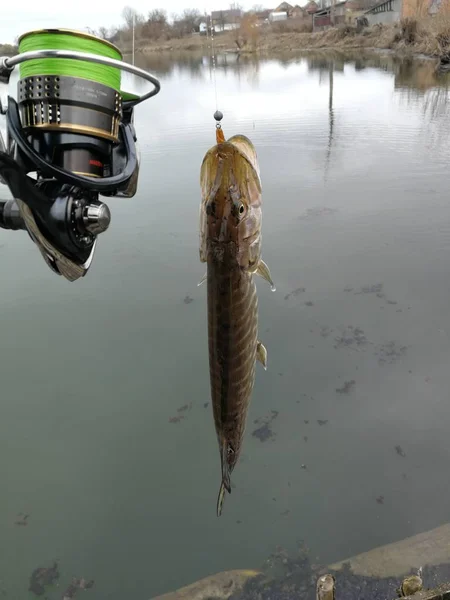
354	156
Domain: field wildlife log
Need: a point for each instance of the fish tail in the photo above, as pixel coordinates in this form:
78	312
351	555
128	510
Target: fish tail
221	498
225	486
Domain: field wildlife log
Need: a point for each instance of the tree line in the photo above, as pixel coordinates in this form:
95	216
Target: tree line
158	25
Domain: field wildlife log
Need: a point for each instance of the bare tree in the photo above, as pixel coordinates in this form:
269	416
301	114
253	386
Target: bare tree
158	15
130	15
157	24
103	33
187	22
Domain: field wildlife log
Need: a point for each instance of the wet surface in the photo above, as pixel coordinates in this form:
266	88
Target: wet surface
293	575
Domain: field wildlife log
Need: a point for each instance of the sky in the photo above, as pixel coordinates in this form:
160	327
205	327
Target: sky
80	14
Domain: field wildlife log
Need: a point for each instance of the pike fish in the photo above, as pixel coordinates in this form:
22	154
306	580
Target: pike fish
230	245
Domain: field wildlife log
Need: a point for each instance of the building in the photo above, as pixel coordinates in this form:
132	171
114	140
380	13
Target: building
323	18
386	11
226	20
390	11
312	7
297	12
278	16
357	8
283	7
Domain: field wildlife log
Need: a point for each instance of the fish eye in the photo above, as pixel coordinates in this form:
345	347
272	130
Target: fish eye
241	209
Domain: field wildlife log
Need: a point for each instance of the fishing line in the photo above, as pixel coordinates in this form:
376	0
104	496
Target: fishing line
78	41
218	116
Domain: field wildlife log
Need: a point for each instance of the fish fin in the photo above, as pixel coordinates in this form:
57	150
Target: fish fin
203	279
220	499
264	272
261	354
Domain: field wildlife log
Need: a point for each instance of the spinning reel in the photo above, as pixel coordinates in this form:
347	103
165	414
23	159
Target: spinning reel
73	128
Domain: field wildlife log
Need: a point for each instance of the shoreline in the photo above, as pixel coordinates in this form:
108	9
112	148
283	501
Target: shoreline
392	38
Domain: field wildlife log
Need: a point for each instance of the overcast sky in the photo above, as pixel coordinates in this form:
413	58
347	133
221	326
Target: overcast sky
26	15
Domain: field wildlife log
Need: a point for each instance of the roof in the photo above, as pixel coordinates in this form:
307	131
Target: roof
311	7
326	10
283	6
375	6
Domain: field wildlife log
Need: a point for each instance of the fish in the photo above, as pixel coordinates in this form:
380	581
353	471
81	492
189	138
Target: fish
230	245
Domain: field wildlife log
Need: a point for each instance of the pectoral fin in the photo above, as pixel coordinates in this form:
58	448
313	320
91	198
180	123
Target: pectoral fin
264	272
261	354
203	279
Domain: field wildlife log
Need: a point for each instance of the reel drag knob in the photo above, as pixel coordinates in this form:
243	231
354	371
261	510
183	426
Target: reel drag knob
96	218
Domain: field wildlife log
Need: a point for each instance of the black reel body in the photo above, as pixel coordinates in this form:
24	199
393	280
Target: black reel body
78	137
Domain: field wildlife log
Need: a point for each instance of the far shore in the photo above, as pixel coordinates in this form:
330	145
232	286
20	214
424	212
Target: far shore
413	38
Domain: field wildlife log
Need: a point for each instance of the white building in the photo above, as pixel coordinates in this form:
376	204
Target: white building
278	16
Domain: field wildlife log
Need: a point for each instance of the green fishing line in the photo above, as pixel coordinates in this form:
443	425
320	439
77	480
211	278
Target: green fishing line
109	76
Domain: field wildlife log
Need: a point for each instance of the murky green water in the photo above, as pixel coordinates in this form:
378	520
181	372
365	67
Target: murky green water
356	212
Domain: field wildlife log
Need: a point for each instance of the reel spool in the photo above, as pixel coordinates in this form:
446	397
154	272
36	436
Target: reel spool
73	126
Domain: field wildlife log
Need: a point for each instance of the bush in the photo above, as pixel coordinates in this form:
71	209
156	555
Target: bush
408	29
344	31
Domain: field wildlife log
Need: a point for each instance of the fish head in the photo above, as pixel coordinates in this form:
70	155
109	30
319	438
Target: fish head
230	212
230	447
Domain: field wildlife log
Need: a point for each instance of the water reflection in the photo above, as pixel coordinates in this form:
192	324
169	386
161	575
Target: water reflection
356	233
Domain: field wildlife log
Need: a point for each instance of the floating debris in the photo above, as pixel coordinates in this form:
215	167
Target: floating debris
326	331
295	292
400	451
380	500
318	211
377	288
309	303
176	419
390	352
285	513
348	289
303	466
78	583
322	422
188	299
21	519
306	421
352	338
305	437
347	387
206	405
265	432
183	409
42	577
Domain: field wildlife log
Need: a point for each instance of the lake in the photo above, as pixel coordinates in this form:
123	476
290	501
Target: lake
106	438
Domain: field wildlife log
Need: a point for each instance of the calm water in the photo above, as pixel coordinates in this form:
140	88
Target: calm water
356	211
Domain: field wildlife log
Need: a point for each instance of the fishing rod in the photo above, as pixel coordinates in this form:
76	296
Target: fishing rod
73	127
